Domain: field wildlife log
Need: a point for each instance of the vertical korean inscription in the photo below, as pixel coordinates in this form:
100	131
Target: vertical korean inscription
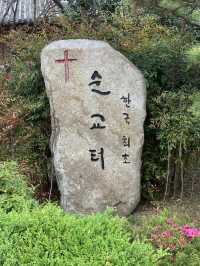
126	140
95	85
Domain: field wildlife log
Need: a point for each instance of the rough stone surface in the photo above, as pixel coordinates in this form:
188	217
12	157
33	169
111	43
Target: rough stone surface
95	167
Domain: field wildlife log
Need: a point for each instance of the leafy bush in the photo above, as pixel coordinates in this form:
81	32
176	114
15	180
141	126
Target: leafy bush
14	192
28	121
47	236
177	123
190	255
26	83
172	236
176	120
175	232
91	7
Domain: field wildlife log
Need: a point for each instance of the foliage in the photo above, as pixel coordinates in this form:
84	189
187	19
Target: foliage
190	255
27	231
172	236
91	7
26	81
188	10
25	123
14	192
193	55
175	232
177	124
99	239
181	13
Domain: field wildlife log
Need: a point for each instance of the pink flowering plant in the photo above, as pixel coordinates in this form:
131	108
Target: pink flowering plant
172	236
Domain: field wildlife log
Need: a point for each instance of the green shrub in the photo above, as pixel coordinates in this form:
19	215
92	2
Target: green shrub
175	120
14	192
27	97
47	236
26	83
75	9
190	255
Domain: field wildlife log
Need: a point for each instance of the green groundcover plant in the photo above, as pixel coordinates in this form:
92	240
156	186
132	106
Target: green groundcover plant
15	195
44	235
47	236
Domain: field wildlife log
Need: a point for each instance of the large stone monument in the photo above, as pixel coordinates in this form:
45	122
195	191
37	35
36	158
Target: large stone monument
97	99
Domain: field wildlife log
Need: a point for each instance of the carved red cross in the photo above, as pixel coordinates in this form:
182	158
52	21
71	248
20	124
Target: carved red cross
66	62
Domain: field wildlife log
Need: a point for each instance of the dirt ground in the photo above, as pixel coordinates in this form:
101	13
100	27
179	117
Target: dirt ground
187	210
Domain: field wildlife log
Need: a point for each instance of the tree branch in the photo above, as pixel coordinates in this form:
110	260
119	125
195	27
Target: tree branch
185	18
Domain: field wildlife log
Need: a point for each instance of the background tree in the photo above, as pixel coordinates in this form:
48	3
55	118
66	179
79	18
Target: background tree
186	12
